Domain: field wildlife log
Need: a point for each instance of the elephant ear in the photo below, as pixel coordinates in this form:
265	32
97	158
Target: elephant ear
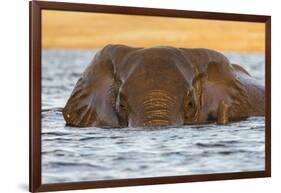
240	69
92	101
221	81
221	74
224	75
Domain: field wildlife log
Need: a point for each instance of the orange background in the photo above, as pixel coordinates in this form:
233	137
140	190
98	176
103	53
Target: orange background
62	29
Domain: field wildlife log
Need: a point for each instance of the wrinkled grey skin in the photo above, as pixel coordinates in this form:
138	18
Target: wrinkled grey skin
159	86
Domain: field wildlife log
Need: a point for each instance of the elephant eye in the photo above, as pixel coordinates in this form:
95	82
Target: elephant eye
122	109
122	102
123	106
189	104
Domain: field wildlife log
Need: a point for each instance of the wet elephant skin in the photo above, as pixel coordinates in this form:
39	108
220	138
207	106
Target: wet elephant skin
162	86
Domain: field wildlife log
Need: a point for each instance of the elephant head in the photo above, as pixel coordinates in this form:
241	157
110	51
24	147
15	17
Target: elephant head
137	87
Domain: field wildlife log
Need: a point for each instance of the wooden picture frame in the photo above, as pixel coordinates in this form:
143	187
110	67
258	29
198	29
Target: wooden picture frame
36	8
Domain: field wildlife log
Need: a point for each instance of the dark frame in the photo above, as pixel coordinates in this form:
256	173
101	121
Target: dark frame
35	8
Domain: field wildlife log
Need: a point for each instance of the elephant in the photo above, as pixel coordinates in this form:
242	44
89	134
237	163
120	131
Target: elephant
162	86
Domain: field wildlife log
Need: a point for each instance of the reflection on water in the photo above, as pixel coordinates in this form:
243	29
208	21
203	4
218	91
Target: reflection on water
87	154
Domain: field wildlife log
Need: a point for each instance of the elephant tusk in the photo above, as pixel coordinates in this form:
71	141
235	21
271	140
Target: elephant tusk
223	113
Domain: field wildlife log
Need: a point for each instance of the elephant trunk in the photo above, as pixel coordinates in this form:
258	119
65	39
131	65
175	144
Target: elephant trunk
157	108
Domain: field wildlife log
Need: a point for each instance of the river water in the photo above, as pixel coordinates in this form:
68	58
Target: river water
91	154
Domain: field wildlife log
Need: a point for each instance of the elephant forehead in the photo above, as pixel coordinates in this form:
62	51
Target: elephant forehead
160	63
166	58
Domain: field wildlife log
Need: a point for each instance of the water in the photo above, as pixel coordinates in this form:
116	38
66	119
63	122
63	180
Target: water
91	154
